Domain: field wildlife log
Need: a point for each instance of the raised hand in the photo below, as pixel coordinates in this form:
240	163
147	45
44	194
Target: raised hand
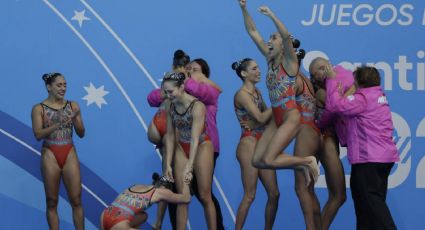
265	10
242	3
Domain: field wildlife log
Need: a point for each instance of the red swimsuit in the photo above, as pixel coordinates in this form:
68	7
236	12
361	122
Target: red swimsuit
306	103
60	140
160	121
281	92
183	124
243	116
126	206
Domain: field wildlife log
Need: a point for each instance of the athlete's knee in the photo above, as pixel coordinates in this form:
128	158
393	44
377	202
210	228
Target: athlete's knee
205	196
257	161
301	189
51	202
249	197
273	195
268	161
340	198
75	201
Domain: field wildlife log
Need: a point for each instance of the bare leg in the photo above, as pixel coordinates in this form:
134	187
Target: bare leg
269	180
51	176
195	192
72	181
307	144
180	161
249	175
162	207
335	179
268	154
203	170
261	146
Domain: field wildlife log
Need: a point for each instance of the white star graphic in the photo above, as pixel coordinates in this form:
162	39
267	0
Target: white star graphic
95	95
80	17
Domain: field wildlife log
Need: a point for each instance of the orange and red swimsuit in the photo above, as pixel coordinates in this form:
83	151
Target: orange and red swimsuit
60	140
306	103
183	124
160	121
126	206
281	92
244	117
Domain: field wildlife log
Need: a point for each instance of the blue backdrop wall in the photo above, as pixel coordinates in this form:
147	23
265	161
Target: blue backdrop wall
113	53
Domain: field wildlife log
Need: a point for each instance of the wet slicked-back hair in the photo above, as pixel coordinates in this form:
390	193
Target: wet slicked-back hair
240	66
176	77
159	181
180	59
48	78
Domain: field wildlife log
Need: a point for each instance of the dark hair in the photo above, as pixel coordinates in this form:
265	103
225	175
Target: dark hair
367	76
241	65
49	78
180	59
159	181
300	55
204	66
295	42
177	77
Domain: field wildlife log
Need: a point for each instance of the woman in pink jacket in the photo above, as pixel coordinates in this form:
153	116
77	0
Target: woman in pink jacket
371	150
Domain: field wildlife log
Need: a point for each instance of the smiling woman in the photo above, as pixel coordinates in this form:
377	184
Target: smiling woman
118	46
194	149
53	121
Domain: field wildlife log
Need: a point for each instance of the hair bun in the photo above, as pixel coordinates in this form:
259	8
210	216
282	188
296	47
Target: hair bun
45	76
179	54
155	176
235	65
301	54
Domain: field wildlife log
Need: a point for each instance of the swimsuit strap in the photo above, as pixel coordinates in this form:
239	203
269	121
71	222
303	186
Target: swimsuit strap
150	189
188	108
44	105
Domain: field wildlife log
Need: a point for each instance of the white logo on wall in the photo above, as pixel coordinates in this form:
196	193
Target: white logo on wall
360	15
389	71
401	169
420	171
404	143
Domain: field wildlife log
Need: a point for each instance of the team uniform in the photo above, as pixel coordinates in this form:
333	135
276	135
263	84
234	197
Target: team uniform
59	141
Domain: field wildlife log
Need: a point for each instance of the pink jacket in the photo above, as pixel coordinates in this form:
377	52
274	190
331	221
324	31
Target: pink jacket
208	95
345	78
369	124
